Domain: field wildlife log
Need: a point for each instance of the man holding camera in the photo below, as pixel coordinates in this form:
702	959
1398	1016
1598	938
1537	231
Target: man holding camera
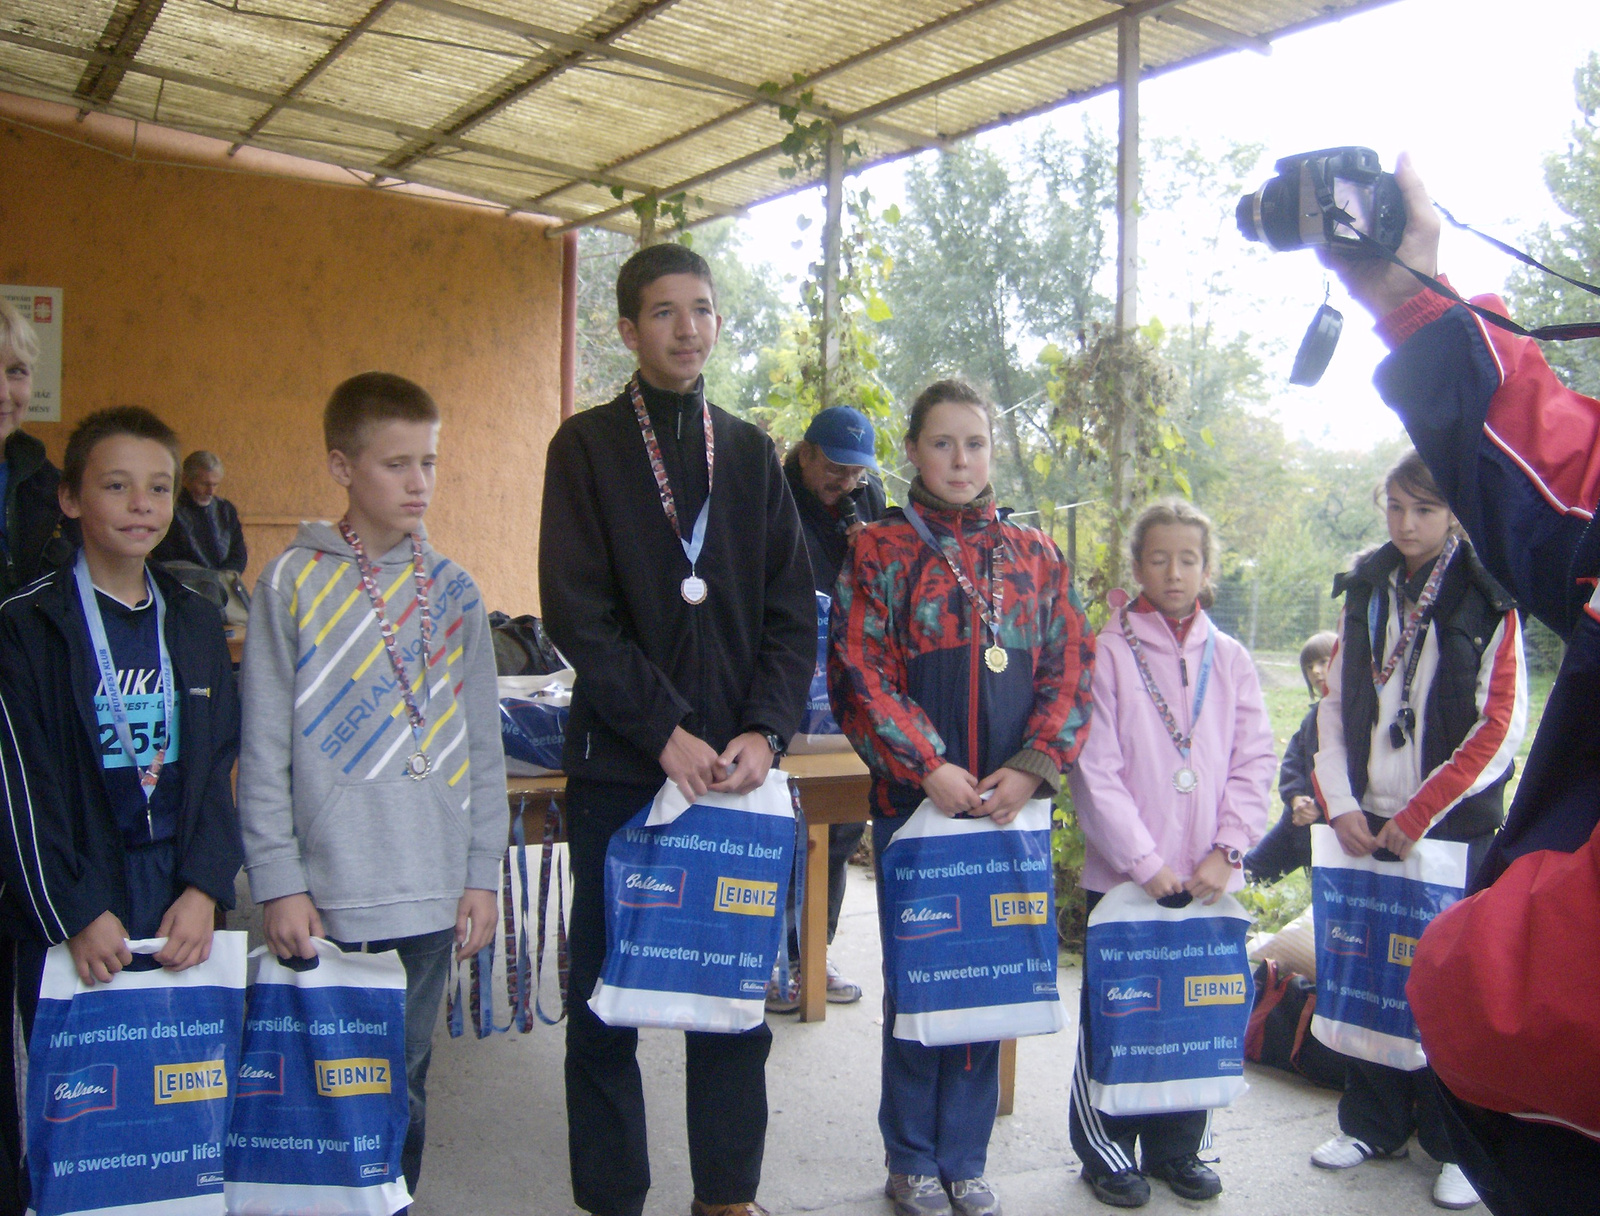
1517	455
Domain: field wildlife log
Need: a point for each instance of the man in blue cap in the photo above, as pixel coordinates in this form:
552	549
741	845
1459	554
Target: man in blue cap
833	475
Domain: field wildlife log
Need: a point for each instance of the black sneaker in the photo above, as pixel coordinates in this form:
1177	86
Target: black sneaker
1124	1189
1187	1177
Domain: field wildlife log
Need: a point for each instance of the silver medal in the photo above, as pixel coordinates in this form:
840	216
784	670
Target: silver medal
418	766
694	590
1185	781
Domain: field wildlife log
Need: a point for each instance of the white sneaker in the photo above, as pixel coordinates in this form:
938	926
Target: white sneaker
1342	1152
1452	1190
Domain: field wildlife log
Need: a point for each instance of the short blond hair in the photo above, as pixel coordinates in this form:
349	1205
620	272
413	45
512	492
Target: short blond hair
1178	511
16	334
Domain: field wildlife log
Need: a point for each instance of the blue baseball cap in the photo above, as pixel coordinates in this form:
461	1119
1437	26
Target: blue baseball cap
844	435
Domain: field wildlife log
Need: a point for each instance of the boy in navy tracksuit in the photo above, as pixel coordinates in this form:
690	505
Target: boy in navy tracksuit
1287	846
1513	450
101	845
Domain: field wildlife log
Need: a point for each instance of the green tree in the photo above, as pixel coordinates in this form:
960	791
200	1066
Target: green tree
1573	247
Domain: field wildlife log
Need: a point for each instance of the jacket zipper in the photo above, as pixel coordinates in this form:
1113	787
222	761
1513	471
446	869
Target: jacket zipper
976	672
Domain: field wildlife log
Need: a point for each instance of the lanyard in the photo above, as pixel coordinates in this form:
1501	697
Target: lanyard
418	766
1430	592
991	611
108	674
1179	740
697	537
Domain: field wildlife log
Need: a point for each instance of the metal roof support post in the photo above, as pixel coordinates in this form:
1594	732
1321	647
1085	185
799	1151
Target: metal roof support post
569	323
1124	439
830	264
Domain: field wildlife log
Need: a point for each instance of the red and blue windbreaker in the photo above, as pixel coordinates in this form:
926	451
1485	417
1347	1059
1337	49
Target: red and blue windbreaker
906	674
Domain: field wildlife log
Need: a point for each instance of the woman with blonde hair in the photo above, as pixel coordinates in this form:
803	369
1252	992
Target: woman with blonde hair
31	542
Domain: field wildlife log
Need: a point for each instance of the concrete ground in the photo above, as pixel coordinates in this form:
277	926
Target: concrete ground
497	1121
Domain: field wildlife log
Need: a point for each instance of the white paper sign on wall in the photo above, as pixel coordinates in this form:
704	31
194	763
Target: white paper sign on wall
42	306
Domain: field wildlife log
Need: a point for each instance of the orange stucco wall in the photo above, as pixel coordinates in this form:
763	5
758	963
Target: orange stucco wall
231	303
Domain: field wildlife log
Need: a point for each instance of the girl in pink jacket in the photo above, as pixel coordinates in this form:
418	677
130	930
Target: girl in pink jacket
1170	789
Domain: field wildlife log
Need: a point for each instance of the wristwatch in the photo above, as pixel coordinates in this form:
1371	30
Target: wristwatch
1235	858
775	743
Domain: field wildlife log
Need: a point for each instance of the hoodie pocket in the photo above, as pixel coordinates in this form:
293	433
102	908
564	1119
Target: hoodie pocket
387	842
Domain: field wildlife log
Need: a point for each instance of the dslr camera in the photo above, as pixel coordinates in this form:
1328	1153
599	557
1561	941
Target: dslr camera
1325	199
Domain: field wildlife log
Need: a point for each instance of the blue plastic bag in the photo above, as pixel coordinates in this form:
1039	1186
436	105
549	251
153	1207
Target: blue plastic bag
531	733
1369	915
971	952
322	1106
819	732
1170	994
694	909
129	1085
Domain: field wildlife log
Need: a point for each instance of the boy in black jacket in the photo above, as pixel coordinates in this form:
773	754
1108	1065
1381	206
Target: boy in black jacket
1287	846
126	826
673	572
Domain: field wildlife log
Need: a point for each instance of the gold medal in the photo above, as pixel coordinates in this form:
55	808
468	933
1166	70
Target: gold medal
996	659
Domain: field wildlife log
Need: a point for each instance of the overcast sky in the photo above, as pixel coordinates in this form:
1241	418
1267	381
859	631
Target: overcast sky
1478	91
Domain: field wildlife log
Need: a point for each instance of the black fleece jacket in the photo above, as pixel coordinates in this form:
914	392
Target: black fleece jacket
61	851
610	570
38	537
827	535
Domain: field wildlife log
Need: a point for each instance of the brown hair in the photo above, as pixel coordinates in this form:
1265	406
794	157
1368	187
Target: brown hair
364	401
957	390
1318	649
657	262
1177	511
101	425
1413	476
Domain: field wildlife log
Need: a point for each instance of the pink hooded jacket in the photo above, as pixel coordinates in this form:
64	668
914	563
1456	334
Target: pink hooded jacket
1132	815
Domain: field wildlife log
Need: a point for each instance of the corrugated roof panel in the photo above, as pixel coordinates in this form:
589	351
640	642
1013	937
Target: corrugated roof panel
470	66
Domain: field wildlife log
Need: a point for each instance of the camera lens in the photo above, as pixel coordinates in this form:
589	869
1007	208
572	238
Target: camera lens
1272	214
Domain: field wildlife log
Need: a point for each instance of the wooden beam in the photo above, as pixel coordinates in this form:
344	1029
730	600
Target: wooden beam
121	39
832	230
1127	173
1216	32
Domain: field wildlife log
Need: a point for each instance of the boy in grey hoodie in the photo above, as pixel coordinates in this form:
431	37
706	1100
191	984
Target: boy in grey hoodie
371	779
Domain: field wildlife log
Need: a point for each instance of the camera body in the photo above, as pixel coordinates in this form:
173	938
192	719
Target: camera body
1300	207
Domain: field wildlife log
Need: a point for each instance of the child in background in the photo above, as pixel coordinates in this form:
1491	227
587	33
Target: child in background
1170	789
1288	845
1427	703
960	668
376	819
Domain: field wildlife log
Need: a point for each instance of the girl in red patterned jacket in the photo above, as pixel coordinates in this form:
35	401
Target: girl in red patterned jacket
960	671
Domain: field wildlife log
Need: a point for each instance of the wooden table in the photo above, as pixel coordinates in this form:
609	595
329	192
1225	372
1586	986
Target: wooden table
833	789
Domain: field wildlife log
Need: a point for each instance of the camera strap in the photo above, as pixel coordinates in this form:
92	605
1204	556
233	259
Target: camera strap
1544	333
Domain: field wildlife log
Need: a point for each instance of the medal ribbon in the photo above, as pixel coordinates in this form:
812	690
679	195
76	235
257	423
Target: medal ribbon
369	582
1179	740
108	673
1430	592
697	537
990	615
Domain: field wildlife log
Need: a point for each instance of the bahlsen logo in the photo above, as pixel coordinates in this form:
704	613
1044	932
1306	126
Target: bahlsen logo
1402	949
929	917
1137	994
1347	937
1022	908
199	1081
746	897
70	1094
1214	989
651	887
260	1075
352	1078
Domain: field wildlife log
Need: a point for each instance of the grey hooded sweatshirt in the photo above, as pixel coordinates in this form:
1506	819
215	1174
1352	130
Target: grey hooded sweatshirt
325	801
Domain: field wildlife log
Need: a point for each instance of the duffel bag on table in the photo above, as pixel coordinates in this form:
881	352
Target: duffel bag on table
129	1085
1369	917
322	1106
1170	995
695	896
971	948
